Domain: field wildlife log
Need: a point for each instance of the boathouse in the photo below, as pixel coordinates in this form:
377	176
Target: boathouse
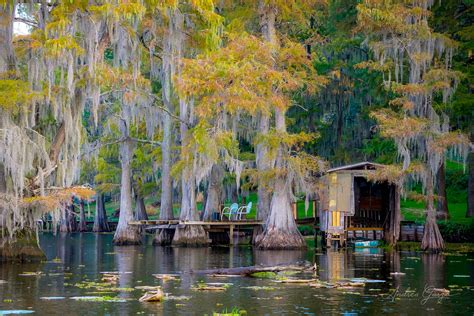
352	207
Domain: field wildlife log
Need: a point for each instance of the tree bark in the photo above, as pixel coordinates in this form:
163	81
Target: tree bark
442	200
82	217
281	231
126	234
264	190
172	42
22	247
432	239
140	209
214	193
7	55
68	223
171	51
470	182
191	235
100	220
267	24
392	227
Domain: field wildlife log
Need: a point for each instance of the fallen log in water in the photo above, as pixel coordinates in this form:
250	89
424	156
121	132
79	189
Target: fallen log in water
248	271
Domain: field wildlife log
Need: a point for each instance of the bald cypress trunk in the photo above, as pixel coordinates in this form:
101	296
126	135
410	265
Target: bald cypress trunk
7	55
126	234
392	226
68	223
190	235
23	244
171	48
214	192
100	220
281	231
267	24
432	239
82	217
442	200
140	209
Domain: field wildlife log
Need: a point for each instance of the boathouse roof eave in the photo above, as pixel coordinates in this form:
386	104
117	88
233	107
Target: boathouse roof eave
357	166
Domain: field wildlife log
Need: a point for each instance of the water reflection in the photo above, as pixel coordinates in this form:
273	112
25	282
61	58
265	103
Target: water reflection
82	257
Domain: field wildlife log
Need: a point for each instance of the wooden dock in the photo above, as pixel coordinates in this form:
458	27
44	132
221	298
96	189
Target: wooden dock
209	226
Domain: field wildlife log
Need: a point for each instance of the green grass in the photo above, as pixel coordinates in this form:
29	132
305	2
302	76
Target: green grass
415	211
456	189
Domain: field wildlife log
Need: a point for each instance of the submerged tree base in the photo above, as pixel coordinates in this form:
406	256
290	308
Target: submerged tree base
129	235
23	247
164	237
190	236
432	239
278	239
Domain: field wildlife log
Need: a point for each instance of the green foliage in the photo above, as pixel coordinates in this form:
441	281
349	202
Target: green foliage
457	232
15	95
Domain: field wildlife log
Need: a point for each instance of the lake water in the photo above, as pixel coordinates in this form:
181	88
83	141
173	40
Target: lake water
74	260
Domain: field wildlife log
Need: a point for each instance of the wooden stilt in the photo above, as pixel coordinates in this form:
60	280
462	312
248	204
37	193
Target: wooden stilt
231	235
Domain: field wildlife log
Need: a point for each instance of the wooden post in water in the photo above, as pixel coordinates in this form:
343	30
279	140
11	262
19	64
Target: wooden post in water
231	234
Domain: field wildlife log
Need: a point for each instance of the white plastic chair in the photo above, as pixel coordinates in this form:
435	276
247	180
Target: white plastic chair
244	210
229	211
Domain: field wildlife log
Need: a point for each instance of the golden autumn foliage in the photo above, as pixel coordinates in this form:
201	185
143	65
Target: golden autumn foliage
241	77
57	197
398	125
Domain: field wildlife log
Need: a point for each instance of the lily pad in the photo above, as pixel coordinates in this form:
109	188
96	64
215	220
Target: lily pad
98	299
264	275
259	288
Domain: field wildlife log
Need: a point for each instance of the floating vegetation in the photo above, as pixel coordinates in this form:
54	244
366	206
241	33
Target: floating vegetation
264	275
98	299
338	285
288	272
233	312
38	273
201	286
300	281
166	277
56	260
102	287
177	298
152	296
259	288
110	278
146	287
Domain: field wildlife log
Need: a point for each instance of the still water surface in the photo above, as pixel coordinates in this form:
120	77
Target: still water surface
77	258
